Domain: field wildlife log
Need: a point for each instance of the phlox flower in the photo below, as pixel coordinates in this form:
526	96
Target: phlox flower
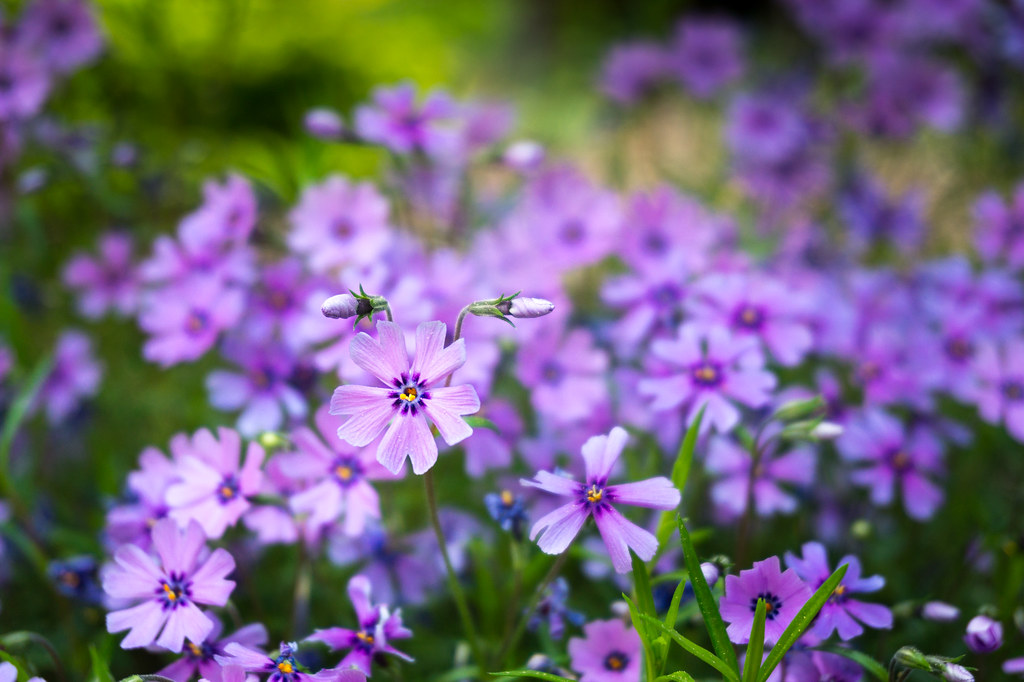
553	610
732	463
1001	393
999	227
490	450
378	627
394	565
784	594
64	32
609	651
596	498
565	373
816	666
199	657
707	54
9	673
226	217
282	667
412	395
184	321
214	484
169	588
396	121
841	612
716	368
75	376
107	281
27	82
633	70
132	521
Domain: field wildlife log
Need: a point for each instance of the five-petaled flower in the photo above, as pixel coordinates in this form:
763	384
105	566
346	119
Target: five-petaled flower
412	395
595	497
784	594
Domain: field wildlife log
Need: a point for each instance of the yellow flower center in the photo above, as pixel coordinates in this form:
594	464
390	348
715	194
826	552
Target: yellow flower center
343	471
171	593
615	662
226	492
365	637
286	667
841	590
410	394
506	498
594	494
196	651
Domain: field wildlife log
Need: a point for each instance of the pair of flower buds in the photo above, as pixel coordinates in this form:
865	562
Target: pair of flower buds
362	305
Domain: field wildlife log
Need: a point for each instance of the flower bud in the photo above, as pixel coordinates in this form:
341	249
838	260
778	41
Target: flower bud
799	409
710	572
940	612
526	307
909	657
524	155
984	635
324	123
955	673
343	306
826	431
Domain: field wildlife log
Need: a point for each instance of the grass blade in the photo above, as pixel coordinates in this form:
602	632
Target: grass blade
680	474
697	650
535	674
755	649
801	622
644	631
673	609
706	601
678	676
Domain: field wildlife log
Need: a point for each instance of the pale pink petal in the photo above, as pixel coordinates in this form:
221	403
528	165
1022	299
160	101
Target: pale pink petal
185	621
371	409
601	452
178	549
654	493
144	621
208	584
620	535
451	426
553	483
558	528
408	436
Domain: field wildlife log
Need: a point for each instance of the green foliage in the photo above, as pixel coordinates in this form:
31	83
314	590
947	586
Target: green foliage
755	648
680	474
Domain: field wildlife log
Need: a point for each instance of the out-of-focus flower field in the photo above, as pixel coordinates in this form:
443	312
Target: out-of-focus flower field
546	340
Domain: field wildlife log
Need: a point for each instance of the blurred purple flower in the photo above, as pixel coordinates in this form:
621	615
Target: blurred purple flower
183	321
984	635
873	218
999	228
707	54
107	281
75	376
490	450
1001	392
731	463
282	667
565	375
553	610
226	217
609	651
65	32
818	666
324	123
262	391
633	70
199	657
396	121
24	83
784	594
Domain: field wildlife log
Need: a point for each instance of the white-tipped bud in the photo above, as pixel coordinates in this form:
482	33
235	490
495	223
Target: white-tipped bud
710	572
940	612
324	123
524	155
341	306
527	307
826	431
956	673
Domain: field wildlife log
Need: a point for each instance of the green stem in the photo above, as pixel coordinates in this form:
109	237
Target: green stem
458	335
387	311
453	580
303	591
513	639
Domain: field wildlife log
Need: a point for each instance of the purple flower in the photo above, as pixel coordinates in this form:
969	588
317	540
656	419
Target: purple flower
338	222
9	673
412	395
904	92
1011	666
490	450
732	463
610	651
874	218
999	228
819	666
377	628
226	217
395	566
889	456
132	522
75	376
565	375
108	281
553	610
652	303
784	594
984	635
24	83
716	368
340	476
766	128
199	657
282	667
653	241
396	121
65	32
1001	393
840	613
508	511
262	391
184	321
596	498
707	54
214	485
324	123
633	70
169	590
939	612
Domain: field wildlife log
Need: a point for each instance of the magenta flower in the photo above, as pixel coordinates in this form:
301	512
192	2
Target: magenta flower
133	521
596	498
184	321
610	651
377	628
340	475
732	463
215	486
107	281
397	122
225	218
784	594
199	657
716	367
169	590
841	612
412	395
282	667
999	227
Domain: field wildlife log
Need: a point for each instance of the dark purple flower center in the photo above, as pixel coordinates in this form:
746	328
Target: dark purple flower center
346	471
616	661
199	652
174	591
706	374
655	242
839	595
572	232
342	227
279	300
552	372
959	349
667	295
196	322
410	393
60	25
869	371
899	460
748	317
364	640
228	489
772	604
6	82
1013	390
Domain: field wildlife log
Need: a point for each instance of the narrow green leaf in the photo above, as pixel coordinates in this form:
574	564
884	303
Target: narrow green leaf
642	586
673	608
869	664
678	676
801	622
19	408
755	649
535	674
697	650
100	669
706	601
680	474
643	630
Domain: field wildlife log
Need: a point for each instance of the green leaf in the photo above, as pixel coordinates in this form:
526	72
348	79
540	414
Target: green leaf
535	674
19	408
801	622
697	650
678	676
755	649
482	423
100	669
673	608
706	601
869	664
645	639
680	474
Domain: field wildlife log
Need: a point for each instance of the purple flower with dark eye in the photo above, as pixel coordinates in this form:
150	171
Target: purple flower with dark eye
75	376
65	32
412	394
707	54
874	218
184	321
784	594
553	610
214	484
199	657
396	121
757	306
717	367
651	301
132	522
999	227
609	651
108	281
378	627
766	128
226	217
340	476
565	374
654	241
282	667
338	222
170	588
904	92
1001	391
596	498
841	613
732	463
24	83
819	666
633	70
890	456
984	635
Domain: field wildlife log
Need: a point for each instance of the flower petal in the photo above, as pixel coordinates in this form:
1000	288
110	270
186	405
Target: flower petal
558	528
408	436
654	493
601	452
620	535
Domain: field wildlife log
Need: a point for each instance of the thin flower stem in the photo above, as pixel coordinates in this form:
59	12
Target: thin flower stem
303	590
453	580
747	522
387	311
458	335
513	638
